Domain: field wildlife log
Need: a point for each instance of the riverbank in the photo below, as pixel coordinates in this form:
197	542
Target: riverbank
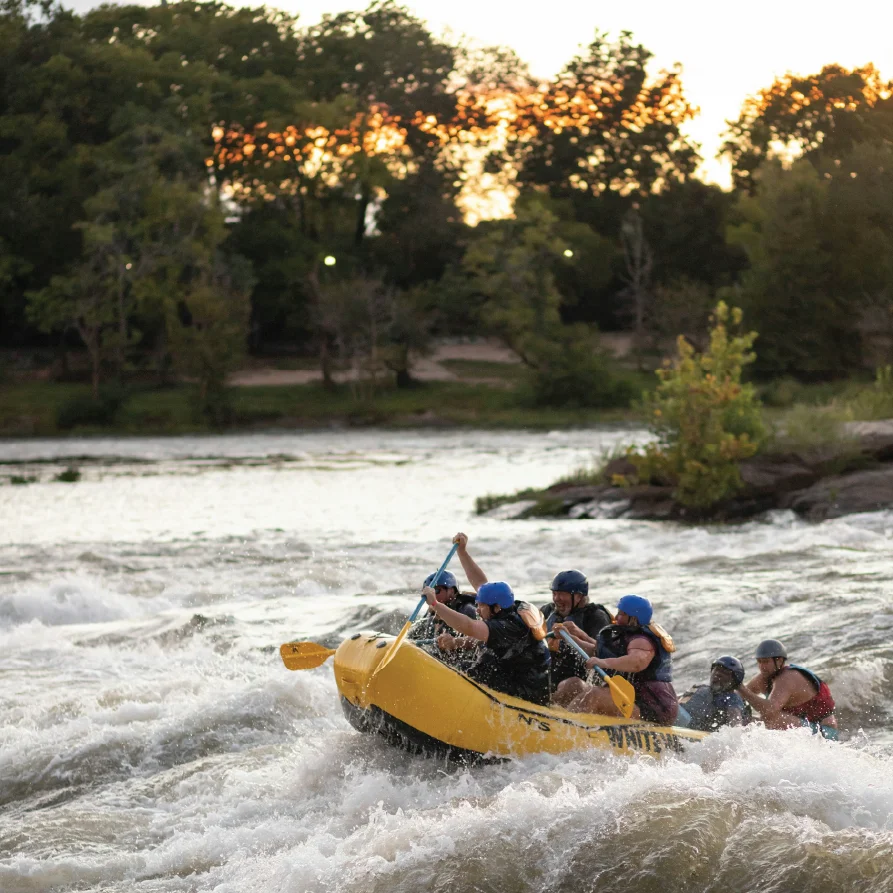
45	409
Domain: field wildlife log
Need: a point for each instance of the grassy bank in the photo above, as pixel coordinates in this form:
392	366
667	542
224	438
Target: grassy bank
43	409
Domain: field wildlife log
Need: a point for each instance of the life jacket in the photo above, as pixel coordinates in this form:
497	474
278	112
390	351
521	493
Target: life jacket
431	626
708	710
534	619
529	653
613	641
817	708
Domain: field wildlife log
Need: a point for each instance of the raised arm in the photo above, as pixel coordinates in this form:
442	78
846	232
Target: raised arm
461	623
476	577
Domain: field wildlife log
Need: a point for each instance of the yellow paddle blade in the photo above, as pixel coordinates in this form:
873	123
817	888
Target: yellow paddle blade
389	654
304	655
622	694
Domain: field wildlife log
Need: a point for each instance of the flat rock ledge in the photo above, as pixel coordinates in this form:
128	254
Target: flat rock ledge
850	477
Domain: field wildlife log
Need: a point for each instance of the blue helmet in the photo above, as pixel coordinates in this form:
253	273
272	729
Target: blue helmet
733	665
570	581
445	579
636	606
496	594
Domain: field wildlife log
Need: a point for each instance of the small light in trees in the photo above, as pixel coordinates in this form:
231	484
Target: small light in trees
128	266
329	261
568	252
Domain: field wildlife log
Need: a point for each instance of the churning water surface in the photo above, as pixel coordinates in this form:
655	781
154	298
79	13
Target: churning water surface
152	741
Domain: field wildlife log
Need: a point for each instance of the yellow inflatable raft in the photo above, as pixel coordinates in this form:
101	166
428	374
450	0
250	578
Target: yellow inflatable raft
418	703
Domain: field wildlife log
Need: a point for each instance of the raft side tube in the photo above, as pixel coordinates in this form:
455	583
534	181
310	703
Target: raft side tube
417	698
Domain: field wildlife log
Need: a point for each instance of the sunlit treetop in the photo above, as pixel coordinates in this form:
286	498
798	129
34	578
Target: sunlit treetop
826	113
611	136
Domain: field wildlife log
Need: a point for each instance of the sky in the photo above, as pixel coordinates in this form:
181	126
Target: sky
727	50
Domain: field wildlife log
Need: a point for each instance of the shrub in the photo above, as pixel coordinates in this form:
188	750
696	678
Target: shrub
568	370
782	392
85	410
875	402
704	419
804	428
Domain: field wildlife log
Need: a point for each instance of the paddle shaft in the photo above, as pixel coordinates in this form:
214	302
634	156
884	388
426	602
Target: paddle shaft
389	654
622	693
440	570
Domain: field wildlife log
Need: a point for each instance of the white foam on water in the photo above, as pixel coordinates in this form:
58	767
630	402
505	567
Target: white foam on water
152	739
69	600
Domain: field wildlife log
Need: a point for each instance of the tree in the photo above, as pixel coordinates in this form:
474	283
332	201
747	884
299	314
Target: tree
639	259
603	125
512	267
206	330
824	114
704	419
685	224
81	300
819	246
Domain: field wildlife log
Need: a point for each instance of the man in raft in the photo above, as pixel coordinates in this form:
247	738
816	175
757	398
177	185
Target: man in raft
787	696
447	592
706	708
633	647
514	658
570	603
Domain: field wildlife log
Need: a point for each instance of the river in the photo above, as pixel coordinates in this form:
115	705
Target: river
152	741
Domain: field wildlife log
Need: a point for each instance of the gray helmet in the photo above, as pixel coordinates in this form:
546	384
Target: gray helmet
770	648
570	581
733	665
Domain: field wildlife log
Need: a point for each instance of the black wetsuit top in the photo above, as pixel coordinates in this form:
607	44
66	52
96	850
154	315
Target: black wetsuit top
566	662
512	660
431	626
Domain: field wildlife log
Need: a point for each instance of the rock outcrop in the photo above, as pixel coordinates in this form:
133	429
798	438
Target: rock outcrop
828	482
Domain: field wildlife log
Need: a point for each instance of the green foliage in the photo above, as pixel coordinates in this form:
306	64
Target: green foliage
704	419
803	428
98	411
516	267
685	223
875	402
781	393
206	328
69	476
511	265
824	114
569	370
636	141
802	291
681	307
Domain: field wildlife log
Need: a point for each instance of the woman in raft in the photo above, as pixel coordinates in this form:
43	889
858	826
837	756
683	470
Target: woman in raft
633	647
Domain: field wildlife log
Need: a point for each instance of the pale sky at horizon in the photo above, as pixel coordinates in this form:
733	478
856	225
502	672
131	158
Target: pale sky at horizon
727	51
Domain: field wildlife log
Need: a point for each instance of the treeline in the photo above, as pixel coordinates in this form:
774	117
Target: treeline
188	181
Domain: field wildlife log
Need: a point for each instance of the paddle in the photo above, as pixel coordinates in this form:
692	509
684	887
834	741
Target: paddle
622	693
389	655
304	655
307	655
